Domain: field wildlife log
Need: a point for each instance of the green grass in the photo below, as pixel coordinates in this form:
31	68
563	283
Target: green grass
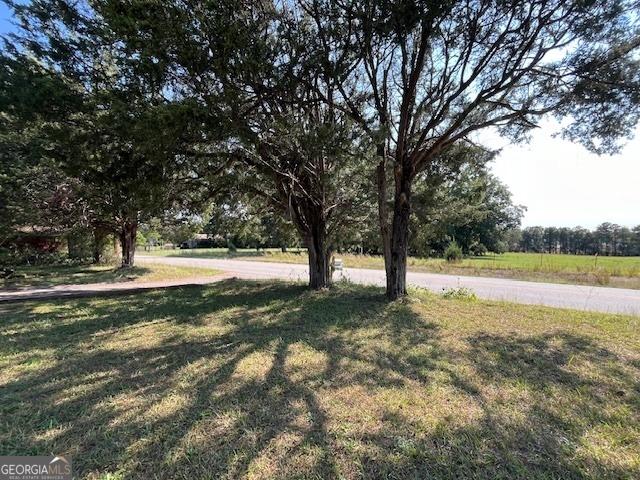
256	380
581	269
51	275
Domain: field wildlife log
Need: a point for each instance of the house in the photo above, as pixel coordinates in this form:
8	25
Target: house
40	239
199	240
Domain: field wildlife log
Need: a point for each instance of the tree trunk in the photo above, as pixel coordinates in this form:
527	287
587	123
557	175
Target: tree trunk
399	245
99	242
319	258
383	217
128	242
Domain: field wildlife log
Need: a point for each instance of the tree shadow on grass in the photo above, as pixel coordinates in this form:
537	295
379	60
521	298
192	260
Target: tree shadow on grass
52	275
271	380
80	393
544	399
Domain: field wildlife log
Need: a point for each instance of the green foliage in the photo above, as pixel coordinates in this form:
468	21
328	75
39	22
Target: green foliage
109	122
141	238
469	204
148	108
80	244
173	227
460	293
453	252
478	249
606	239
422	77
33	256
501	246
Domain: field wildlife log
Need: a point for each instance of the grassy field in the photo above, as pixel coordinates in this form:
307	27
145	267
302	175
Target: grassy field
255	380
51	275
581	269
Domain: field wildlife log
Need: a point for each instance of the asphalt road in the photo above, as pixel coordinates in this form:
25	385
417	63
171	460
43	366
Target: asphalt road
580	297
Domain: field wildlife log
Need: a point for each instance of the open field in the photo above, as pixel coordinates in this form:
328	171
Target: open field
246	379
52	275
579	269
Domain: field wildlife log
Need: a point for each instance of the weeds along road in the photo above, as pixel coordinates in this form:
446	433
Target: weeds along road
580	297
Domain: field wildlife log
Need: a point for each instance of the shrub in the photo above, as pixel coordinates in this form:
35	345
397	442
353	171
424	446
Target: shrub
453	252
500	247
205	243
34	256
461	293
80	245
478	249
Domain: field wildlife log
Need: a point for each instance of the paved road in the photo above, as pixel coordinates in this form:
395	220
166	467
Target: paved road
600	299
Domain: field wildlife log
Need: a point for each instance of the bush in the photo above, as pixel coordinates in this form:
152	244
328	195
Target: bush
478	249
453	252
33	256
500	247
80	245
461	293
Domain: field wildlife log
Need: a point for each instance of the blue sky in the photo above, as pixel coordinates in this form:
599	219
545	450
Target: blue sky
5	15
560	183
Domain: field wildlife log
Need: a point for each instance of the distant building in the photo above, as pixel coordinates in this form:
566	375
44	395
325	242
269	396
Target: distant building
199	240
37	238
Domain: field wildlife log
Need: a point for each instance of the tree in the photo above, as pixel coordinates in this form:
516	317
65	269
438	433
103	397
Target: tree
39	198
607	239
625	241
180	228
35	193
551	239
582	241
635	231
533	239
247	221
603	236
235	221
513	239
471	206
116	128
287	141
313	180
175	227
421	76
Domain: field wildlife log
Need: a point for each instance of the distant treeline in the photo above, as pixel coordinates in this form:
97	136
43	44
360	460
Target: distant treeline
607	239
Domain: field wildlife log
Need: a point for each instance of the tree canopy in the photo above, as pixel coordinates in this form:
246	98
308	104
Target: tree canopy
321	110
421	76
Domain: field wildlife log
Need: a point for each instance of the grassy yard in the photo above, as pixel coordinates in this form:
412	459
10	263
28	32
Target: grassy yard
52	275
580	269
247	379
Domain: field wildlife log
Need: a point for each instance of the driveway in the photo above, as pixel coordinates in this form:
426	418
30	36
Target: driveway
96	289
580	297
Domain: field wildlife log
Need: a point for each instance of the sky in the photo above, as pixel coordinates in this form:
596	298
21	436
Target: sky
560	183
5	15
